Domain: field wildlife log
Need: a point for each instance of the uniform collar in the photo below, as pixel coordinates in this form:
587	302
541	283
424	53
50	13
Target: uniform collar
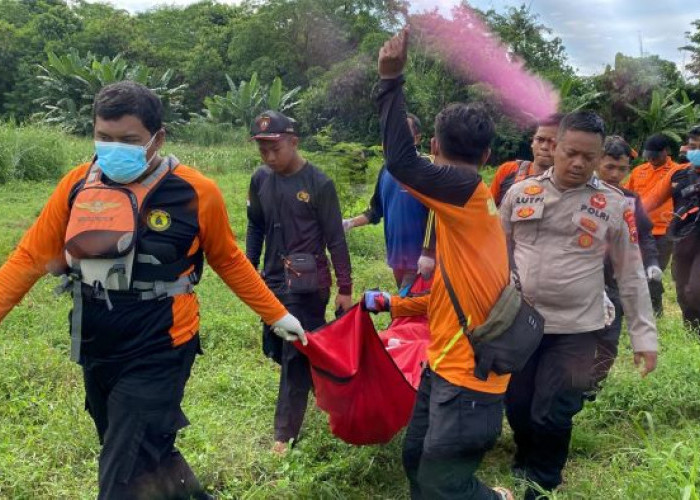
594	182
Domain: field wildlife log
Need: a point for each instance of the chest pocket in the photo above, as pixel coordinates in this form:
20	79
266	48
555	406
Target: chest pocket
591	231
526	216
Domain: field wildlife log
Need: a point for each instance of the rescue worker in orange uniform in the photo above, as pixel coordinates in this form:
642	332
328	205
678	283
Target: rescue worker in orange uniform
642	181
129	231
457	417
515	171
681	186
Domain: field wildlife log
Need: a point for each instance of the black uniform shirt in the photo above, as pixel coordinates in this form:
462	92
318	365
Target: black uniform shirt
306	205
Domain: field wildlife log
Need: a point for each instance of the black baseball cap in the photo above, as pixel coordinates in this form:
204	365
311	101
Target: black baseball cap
271	125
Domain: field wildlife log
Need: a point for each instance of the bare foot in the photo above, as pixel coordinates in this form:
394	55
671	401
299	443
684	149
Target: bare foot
505	493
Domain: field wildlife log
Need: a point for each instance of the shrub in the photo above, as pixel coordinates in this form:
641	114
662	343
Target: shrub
31	153
204	133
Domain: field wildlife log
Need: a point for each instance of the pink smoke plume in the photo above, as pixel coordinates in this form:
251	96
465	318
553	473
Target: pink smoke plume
475	54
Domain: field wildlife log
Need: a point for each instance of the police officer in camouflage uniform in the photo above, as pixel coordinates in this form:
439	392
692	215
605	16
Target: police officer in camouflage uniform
559	226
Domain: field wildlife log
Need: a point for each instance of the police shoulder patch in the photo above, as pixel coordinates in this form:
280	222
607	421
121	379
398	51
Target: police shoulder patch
158	220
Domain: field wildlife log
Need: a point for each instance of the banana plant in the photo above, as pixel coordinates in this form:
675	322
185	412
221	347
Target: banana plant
665	115
244	101
277	100
70	83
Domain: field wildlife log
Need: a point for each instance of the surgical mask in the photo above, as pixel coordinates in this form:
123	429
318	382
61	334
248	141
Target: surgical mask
694	157
123	163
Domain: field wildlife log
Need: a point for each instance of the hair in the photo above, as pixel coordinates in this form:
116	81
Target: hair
129	98
553	120
657	142
464	132
616	147
416	124
694	132
582	121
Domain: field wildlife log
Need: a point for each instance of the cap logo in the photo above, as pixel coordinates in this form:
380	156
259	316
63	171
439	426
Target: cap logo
264	123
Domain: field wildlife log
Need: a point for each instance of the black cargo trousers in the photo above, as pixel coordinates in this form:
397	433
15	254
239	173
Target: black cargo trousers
686	273
135	405
450	431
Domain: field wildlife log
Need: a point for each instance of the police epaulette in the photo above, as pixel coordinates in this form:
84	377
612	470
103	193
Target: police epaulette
613	188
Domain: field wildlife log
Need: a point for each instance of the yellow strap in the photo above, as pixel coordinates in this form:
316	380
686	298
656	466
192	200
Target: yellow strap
450	345
428	229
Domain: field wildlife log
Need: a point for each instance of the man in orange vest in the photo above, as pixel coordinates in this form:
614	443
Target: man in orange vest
130	230
515	171
642	181
458	416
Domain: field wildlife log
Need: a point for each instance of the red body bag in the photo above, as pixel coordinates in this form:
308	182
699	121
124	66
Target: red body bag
365	381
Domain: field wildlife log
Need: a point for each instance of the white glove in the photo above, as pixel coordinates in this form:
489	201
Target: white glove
289	329
654	273
348	224
426	266
608	309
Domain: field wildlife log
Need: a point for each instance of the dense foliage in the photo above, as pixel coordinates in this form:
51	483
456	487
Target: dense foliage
215	64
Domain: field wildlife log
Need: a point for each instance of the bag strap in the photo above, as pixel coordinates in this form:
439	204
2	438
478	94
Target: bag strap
453	298
455	301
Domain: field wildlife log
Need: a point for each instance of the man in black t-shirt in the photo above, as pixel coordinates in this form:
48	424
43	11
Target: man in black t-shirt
293	210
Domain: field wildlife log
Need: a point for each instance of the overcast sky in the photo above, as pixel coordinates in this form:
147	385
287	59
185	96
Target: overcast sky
593	31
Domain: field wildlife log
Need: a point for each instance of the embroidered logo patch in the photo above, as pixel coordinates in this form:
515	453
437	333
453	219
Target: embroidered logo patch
598	201
589	224
97	207
303	196
264	123
631	222
533	190
158	220
585	240
525	212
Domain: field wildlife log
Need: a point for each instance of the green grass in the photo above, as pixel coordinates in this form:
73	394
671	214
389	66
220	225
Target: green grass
641	439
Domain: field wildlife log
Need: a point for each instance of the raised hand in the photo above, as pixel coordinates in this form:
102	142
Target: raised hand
393	55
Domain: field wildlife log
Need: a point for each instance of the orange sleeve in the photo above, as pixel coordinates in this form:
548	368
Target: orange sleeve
41	248
501	173
630	182
224	256
660	193
409	306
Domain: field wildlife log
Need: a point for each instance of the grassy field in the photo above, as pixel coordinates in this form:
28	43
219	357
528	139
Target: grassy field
639	440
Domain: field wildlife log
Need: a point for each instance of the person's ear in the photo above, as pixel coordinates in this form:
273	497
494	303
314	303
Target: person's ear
434	147
417	138
485	157
294	141
158	141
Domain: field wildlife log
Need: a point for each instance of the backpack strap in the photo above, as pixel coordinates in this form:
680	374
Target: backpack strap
523	169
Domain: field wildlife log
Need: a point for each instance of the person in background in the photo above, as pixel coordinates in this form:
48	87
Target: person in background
559	227
515	171
409	232
613	168
681	186
642	181
293	211
129	231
